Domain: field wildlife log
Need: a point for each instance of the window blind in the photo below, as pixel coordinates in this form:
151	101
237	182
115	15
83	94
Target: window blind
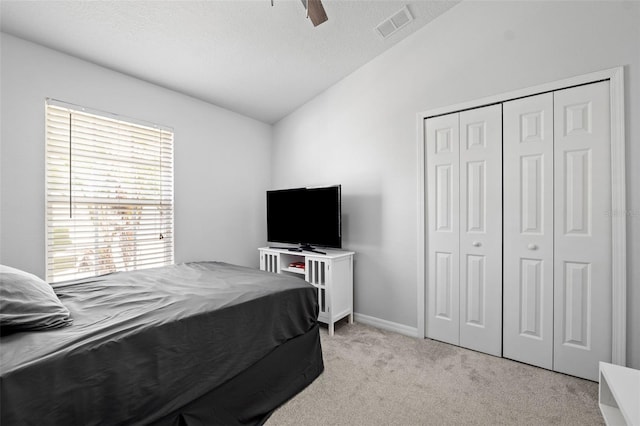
109	186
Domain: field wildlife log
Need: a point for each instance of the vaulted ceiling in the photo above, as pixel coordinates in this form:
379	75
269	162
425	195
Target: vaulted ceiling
259	60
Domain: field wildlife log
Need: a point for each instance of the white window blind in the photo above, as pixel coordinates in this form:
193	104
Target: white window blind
109	194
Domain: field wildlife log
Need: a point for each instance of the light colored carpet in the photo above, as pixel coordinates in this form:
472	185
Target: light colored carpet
375	377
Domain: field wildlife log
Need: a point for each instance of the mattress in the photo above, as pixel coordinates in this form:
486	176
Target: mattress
146	344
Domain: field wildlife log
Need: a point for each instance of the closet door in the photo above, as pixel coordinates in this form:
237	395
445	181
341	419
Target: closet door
555	181
441	150
528	230
582	243
481	229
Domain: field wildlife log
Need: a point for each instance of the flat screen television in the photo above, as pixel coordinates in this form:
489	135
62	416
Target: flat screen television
308	217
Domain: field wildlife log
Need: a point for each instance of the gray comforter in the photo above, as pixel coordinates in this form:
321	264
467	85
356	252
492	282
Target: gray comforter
145	343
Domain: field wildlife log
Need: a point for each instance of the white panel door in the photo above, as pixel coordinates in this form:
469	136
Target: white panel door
481	229
582	263
528	230
441	150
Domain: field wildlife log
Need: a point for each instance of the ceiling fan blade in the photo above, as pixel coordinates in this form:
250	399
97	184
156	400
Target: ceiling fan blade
315	11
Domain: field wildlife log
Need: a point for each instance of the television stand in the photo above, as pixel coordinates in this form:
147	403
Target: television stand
331	273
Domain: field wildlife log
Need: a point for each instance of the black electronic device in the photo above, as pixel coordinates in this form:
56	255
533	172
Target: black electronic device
308	217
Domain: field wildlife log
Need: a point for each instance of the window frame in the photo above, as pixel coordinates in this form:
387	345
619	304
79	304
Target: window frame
128	201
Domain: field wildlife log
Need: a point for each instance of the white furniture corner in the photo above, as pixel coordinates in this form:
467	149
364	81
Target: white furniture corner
619	395
331	273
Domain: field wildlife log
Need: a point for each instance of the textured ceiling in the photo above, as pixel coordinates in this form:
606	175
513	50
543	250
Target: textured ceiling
246	56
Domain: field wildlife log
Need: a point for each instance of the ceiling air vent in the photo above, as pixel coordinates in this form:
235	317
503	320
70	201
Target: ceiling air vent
394	23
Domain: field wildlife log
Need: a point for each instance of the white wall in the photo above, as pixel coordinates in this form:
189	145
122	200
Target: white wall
221	158
362	132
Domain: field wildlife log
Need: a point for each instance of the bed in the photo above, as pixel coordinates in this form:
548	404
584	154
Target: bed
201	343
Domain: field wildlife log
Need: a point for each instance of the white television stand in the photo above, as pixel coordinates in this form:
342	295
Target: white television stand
619	395
331	273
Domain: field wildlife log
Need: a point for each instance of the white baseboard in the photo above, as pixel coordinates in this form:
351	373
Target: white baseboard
386	325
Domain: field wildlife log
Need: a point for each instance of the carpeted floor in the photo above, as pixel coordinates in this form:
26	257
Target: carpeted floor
375	377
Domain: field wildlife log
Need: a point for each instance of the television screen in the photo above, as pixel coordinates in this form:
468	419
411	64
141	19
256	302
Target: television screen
305	216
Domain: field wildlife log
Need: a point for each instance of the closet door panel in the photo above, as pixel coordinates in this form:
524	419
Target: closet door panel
582	269
481	229
528	230
442	152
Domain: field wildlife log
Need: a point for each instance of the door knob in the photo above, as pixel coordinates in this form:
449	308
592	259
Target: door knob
476	244
532	247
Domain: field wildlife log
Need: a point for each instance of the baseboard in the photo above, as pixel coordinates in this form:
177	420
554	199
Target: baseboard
386	325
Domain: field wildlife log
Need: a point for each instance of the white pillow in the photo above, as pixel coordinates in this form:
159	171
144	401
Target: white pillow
29	303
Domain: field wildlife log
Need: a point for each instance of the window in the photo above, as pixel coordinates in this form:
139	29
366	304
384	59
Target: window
109	193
